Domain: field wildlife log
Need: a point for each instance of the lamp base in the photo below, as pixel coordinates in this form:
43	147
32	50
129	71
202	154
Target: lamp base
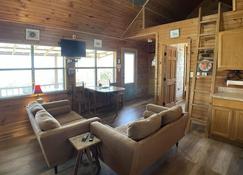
40	100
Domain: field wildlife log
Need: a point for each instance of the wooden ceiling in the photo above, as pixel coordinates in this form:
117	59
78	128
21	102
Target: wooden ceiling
104	17
108	17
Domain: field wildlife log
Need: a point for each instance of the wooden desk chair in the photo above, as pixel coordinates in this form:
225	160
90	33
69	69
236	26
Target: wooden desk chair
81	99
119	97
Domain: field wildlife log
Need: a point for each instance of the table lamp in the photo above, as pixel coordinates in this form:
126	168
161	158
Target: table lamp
38	91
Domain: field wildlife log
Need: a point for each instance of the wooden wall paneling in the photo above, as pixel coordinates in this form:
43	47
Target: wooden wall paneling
188	28
238	4
12	110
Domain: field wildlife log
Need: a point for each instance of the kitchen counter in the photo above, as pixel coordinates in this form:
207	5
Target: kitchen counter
229	96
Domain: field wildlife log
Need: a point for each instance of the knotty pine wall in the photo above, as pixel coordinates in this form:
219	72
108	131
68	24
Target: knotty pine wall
12	110
188	33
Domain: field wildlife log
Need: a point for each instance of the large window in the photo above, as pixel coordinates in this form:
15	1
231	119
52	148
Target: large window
15	70
49	68
20	70
97	67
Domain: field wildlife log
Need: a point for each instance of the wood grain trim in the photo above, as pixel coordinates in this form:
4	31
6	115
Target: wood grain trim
230	115
227	103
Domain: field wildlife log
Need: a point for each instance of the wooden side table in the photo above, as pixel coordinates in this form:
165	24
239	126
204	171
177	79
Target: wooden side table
86	147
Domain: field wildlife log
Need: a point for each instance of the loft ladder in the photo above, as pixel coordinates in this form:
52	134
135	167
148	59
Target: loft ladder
201	95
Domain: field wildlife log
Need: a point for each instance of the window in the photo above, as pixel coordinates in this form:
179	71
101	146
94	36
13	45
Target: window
15	70
129	67
17	75
49	68
97	67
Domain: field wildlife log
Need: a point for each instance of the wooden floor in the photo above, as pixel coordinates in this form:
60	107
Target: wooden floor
196	154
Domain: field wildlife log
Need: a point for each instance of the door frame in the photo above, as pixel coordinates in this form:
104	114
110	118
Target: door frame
129	50
160	70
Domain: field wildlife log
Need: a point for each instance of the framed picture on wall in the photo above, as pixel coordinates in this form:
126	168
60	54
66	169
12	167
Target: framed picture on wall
175	33
33	34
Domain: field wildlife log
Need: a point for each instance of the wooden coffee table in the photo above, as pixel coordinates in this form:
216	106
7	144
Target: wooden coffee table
90	148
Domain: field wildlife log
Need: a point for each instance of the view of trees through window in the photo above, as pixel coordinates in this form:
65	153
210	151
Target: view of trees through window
97	67
18	76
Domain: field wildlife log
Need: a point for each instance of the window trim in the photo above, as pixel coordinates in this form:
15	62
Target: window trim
96	67
33	69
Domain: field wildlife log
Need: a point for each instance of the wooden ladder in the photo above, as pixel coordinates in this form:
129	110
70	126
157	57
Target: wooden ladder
201	95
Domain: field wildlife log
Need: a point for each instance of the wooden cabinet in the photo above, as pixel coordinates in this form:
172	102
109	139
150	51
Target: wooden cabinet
230	51
227	119
221	121
238	125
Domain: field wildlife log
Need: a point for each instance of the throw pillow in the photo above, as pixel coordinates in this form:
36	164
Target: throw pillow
35	107
46	121
141	129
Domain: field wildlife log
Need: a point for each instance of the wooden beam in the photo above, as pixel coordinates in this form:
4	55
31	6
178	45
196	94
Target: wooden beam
128	27
159	14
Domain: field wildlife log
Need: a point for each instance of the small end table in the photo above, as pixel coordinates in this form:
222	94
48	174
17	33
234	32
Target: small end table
85	147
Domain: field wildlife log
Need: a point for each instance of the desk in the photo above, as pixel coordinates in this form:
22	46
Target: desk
106	90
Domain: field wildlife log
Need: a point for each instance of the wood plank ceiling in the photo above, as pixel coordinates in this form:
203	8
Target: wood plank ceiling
108	17
105	17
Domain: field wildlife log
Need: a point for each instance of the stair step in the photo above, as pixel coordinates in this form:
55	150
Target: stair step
200	76
199	61
199	121
208	34
202	92
206	48
208	21
201	105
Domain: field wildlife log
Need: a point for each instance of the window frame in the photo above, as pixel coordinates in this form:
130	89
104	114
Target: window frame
96	68
47	68
32	69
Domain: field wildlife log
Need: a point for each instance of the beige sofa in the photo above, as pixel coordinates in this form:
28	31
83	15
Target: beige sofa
129	157
54	142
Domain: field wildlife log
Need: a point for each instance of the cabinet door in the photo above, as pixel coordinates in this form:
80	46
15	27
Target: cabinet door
221	122
238	126
230	54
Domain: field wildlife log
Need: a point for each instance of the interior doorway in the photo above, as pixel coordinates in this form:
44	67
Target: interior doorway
175	80
180	71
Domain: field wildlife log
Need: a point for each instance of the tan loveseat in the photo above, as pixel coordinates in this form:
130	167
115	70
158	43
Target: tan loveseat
127	156
54	142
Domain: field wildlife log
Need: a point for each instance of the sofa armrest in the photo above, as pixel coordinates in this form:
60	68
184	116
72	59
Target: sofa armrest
117	150
55	145
155	108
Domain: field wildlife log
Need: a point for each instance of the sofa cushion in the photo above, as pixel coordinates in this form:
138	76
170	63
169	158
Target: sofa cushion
122	129
55	104
155	108
54	111
68	118
34	107
45	121
140	129
171	115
